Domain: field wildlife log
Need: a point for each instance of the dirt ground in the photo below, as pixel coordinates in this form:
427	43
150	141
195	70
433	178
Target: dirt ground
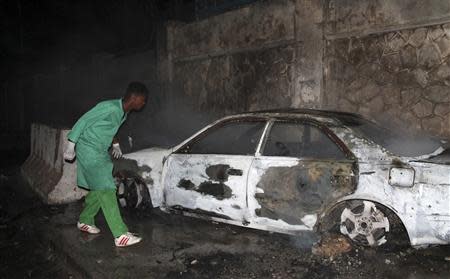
40	241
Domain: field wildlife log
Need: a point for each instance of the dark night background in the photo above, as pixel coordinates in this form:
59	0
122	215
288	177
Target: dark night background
59	58
33	30
45	52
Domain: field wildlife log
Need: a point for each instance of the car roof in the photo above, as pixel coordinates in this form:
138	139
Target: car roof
342	117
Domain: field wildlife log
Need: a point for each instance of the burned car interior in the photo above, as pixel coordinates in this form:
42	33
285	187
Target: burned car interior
230	137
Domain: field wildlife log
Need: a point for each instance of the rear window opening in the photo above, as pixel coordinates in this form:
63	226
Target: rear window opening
398	141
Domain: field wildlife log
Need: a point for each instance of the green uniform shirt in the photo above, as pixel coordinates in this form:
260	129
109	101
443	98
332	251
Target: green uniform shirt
93	134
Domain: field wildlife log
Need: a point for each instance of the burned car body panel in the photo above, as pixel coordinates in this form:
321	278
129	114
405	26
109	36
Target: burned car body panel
291	192
148	165
209	184
424	207
280	189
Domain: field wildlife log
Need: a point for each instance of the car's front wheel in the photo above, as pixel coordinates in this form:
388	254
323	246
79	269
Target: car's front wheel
132	193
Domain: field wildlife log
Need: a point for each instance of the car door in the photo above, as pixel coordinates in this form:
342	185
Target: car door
208	175
299	171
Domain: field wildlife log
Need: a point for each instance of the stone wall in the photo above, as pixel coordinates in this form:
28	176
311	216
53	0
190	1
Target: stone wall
361	17
258	57
377	58
240	82
401	77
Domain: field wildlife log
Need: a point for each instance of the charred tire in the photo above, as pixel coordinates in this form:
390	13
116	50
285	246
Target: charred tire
132	193
367	223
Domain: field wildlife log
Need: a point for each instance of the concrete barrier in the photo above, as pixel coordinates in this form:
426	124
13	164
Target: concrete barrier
53	179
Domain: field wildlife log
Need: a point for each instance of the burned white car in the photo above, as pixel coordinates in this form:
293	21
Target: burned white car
293	170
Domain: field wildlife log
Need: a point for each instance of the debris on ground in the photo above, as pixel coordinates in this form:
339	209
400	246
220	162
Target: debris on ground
331	246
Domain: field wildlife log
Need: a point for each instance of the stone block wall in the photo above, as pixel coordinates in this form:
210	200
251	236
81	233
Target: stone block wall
363	17
239	82
259	57
383	59
401	76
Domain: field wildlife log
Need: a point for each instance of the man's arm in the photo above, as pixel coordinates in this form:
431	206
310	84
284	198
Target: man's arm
97	113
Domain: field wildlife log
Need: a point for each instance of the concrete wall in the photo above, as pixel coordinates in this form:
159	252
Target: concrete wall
53	179
258	57
390	60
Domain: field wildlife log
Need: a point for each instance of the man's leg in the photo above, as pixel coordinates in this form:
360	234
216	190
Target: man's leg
91	208
110	208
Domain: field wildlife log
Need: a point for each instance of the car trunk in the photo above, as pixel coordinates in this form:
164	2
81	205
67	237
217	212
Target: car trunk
443	158
432	182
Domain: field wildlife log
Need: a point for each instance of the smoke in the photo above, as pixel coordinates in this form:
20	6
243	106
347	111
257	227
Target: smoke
304	240
164	123
176	122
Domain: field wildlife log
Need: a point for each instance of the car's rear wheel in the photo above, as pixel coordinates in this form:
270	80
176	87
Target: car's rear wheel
367	223
364	223
132	193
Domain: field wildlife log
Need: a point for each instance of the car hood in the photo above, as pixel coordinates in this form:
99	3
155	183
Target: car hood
148	155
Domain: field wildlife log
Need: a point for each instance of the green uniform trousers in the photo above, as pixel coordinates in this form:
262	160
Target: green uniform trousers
107	201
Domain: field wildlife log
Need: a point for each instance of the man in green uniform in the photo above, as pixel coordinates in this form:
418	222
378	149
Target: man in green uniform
89	140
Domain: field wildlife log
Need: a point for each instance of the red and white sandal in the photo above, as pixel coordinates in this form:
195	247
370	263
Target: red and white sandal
88	228
127	239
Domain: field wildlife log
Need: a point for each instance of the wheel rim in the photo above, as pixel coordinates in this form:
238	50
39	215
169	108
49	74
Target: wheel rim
122	194
368	227
131	193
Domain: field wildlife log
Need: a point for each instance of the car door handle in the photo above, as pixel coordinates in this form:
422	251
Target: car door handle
235	172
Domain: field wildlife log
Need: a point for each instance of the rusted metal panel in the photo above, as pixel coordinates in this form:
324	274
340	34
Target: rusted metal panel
291	193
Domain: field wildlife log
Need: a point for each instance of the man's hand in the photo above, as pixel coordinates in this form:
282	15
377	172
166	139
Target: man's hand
69	151
116	151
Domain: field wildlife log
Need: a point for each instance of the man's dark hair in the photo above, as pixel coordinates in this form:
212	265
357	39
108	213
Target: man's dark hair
136	88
